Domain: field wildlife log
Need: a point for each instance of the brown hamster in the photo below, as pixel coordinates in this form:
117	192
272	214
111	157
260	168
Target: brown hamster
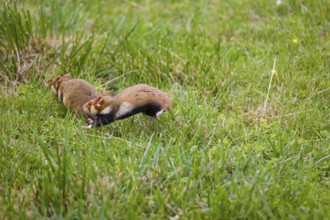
133	100
73	93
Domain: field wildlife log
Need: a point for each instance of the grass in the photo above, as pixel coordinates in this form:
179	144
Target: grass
247	136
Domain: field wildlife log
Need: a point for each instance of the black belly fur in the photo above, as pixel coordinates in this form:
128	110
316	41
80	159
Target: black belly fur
148	109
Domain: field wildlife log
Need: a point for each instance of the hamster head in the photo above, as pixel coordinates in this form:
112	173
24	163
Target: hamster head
54	83
98	105
50	84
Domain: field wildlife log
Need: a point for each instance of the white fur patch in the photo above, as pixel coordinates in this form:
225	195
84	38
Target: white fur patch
64	101
106	110
59	94
87	126
93	110
124	108
52	88
159	113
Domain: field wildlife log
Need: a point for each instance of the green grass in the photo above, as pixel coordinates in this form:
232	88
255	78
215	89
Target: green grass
235	144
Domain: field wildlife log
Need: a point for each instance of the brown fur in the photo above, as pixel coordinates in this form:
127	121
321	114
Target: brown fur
73	93
132	98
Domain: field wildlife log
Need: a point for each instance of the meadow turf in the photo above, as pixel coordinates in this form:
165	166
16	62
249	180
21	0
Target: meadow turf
247	135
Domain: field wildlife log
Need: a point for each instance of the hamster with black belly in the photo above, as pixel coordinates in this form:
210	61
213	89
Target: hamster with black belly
136	99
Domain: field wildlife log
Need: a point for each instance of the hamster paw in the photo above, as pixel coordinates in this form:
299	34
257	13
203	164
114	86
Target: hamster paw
90	123
87	126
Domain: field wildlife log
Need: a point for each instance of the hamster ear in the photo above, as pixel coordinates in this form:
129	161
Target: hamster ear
98	98
105	93
100	101
67	76
58	79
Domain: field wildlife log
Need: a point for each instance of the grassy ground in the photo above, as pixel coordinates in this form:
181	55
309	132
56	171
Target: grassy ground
248	131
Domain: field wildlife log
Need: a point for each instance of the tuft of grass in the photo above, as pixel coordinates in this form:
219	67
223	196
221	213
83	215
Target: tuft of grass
244	138
31	45
16	33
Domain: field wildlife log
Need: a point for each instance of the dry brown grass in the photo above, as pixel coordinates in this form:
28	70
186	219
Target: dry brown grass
38	57
255	115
